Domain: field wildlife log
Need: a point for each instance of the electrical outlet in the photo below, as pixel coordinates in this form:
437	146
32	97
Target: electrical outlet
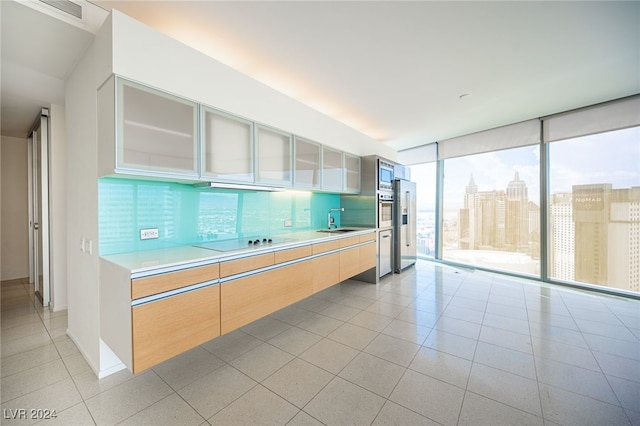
149	233
287	223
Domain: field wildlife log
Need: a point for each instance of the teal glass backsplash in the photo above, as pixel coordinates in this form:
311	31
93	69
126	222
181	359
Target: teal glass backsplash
187	215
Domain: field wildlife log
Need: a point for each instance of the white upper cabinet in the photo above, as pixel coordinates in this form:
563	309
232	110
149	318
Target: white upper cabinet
306	172
227	147
155	132
147	132
332	169
352	173
274	150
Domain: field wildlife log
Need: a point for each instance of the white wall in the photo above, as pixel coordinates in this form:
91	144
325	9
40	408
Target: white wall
82	209
15	209
57	207
143	54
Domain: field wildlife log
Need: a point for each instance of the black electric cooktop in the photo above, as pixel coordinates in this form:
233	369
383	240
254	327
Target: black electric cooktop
242	243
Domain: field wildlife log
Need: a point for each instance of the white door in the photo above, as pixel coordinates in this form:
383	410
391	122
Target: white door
39	208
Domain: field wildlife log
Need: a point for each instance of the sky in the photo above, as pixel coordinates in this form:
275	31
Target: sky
612	157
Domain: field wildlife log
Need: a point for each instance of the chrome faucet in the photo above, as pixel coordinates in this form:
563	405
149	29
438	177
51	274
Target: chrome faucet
329	218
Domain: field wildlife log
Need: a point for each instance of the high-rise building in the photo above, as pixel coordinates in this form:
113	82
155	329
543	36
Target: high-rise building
624	239
595	236
495	220
489	220
517	215
482	220
590	208
534	230
466	228
562	243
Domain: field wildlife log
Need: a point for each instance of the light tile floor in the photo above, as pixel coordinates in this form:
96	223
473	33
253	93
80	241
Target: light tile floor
433	345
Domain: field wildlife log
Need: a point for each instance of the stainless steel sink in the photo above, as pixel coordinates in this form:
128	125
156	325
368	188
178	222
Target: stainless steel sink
336	231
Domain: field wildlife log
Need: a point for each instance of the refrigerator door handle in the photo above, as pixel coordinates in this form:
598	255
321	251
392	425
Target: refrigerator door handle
407	195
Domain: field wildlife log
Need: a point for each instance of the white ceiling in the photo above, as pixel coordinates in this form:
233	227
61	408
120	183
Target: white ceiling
393	70
38	53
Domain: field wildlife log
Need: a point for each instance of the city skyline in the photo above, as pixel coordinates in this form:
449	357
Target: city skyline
594	234
599	243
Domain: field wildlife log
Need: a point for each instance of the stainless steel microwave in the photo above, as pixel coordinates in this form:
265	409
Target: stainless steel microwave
385	176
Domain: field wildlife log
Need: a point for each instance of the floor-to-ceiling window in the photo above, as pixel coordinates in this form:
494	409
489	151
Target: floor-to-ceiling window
556	198
490	199
594	209
424	175
491	210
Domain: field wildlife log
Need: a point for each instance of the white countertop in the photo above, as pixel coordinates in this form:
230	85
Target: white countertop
188	256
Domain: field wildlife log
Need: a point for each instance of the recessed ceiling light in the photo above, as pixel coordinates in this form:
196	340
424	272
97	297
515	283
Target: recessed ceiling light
464	96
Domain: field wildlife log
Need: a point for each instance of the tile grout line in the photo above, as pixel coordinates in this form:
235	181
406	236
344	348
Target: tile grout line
535	364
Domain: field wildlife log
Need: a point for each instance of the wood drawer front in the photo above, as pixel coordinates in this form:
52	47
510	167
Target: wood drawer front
142	287
326	271
367	237
239	266
349	263
367	257
292	254
170	326
346	242
247	299
328	246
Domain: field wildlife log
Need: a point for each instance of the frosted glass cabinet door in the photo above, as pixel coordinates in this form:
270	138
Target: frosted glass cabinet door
156	131
274	156
306	172
332	169
227	147
352	173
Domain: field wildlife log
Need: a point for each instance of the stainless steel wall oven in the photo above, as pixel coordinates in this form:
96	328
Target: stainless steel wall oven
385	210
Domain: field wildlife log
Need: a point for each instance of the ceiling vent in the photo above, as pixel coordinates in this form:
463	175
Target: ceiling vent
66	6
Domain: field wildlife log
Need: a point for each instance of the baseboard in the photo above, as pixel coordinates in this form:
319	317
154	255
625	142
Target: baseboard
100	374
56	308
95	369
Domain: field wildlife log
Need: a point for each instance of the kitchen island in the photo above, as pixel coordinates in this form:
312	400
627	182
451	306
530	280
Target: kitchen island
166	301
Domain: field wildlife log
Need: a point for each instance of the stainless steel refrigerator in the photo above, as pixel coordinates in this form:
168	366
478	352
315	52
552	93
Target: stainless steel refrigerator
404	224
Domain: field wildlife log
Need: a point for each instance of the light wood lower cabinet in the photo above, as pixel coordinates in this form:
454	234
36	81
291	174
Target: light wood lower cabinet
326	271
292	254
349	263
367	237
167	327
154	284
368	254
250	298
350	241
246	264
367	257
324	247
